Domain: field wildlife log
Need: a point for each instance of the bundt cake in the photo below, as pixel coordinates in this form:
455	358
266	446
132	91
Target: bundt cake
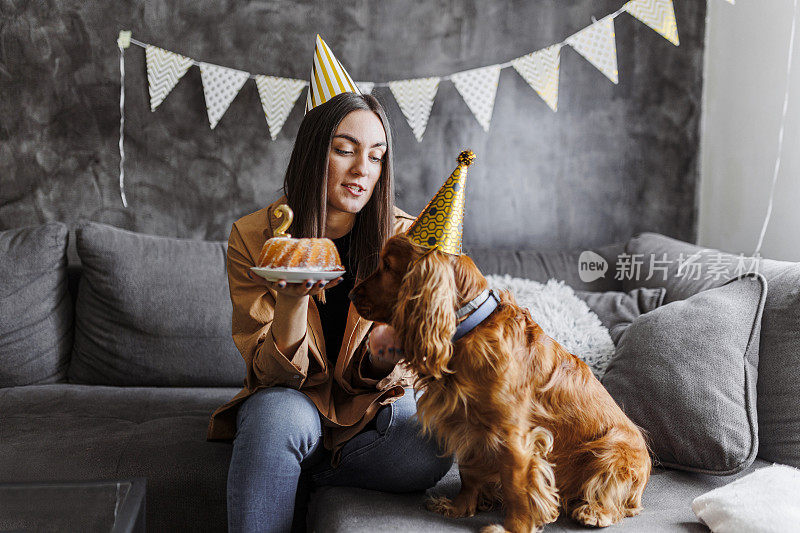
301	254
281	252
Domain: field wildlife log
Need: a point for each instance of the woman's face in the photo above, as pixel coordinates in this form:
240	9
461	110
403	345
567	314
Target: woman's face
355	161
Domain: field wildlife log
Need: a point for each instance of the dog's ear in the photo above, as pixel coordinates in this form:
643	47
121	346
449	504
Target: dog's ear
425	314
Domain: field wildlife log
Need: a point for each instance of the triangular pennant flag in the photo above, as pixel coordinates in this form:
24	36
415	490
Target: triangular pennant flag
596	43
540	70
658	14
278	96
220	87
478	88
365	86
415	98
164	70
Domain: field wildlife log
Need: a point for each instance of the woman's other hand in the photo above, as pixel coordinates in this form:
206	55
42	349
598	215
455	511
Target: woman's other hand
385	347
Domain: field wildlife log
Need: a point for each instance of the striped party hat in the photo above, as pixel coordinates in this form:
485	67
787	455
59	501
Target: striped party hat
328	77
440	224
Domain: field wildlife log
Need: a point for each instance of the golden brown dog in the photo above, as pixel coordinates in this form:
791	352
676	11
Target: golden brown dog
530	426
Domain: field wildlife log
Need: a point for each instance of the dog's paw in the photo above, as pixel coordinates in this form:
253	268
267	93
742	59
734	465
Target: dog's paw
438	504
445	506
494	528
592	516
632	511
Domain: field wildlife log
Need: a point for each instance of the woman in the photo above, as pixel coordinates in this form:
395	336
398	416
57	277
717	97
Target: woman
316	400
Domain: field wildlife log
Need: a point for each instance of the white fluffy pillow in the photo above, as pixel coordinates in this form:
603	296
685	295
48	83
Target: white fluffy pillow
762	501
564	317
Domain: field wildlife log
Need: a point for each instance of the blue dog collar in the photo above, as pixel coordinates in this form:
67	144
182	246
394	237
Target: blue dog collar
482	311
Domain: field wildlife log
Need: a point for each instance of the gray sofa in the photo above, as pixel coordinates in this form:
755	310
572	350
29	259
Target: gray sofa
110	369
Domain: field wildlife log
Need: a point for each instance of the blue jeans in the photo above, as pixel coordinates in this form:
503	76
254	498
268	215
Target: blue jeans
279	437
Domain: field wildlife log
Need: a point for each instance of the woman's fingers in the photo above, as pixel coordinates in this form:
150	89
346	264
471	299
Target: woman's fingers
319	285
278	284
390	355
334	282
301	288
298	289
289	289
384	344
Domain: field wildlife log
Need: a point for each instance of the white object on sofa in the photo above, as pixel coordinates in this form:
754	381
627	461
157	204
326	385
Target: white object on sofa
562	316
768	500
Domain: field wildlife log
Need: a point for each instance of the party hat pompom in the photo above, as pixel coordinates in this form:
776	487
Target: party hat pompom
466	157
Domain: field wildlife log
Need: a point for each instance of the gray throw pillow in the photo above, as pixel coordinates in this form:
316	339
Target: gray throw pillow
152	311
617	310
779	353
686	373
35	307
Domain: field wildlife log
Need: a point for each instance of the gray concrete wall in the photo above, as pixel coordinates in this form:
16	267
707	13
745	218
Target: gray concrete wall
614	160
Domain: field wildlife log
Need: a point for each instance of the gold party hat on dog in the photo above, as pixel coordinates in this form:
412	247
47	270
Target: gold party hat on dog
328	77
440	224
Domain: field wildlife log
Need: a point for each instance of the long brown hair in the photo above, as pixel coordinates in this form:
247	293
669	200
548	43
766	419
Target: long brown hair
305	183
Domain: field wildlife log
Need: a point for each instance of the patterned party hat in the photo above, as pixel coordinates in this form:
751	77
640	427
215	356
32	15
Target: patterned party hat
439	225
328	77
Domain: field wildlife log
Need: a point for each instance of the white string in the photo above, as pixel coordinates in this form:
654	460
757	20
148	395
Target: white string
448	77
122	126
780	134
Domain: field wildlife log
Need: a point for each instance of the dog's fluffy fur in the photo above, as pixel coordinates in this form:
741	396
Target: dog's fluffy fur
530	426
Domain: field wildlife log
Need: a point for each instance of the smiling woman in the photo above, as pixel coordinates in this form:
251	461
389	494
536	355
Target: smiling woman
317	401
355	163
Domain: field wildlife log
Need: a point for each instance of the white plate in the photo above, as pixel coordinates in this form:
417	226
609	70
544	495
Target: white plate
296	275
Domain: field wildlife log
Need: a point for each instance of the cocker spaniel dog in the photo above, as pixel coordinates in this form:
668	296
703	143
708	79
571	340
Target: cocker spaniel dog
530	426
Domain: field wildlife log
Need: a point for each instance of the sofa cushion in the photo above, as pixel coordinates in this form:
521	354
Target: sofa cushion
35	307
152	311
666	506
617	310
779	353
542	266
686	373
67	432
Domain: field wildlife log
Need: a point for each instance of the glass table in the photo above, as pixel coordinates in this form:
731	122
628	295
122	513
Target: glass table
111	506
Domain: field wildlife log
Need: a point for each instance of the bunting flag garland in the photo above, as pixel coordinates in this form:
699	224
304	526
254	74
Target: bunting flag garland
658	14
278	96
478	88
596	43
540	70
220	87
164	70
415	98
365	86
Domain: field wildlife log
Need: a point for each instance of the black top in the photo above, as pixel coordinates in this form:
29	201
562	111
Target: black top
333	313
